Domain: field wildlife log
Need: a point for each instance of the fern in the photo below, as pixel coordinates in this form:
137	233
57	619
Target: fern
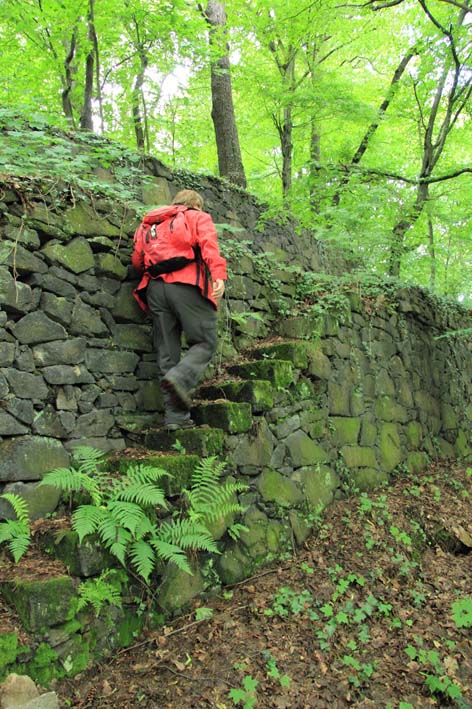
70	480
16	532
171	552
208	499
97	592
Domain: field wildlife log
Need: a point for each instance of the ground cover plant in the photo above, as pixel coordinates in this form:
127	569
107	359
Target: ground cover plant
374	611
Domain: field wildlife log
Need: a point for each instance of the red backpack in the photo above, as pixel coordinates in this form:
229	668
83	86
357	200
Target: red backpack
166	240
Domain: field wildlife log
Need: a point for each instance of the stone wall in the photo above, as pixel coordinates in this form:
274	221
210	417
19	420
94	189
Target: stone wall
76	353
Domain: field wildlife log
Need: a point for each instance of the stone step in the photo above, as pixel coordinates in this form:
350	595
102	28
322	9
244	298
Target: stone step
231	416
299	352
203	441
257	392
277	371
180	466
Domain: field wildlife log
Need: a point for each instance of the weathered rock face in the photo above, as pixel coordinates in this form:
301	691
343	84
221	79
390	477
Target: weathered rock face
374	391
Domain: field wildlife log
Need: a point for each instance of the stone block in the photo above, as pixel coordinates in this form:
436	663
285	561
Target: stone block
279	489
85	559
178	588
179	467
257	392
300	327
414	434
63	374
36	327
29	457
387	409
202	441
303	450
253	450
417	461
359	456
318	484
70	351
279	372
344	430
108	264
76	256
364	479
40	499
339	399
41	604
133	337
232	417
105	361
391	453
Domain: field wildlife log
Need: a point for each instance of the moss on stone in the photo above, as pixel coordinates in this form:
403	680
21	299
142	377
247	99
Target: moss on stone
86	559
417	461
257	392
43	667
390	447
129	628
319	364
339	399
344	430
414	434
8	651
178	587
303	451
180	468
76	256
277	371
110	265
301	326
233	565
41	603
359	456
277	488
300	527
364	479
200	441
462	443
318	483
230	416
387	409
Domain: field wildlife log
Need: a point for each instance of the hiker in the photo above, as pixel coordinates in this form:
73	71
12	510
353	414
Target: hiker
176	252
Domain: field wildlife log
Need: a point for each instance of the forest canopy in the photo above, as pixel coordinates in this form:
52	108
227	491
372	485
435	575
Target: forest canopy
353	115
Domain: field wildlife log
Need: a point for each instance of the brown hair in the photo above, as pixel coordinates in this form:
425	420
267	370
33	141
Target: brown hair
189	198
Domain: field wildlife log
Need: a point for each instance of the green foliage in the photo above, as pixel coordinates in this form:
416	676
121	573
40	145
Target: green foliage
208	499
246	695
462	612
122	510
16	532
435	675
98	592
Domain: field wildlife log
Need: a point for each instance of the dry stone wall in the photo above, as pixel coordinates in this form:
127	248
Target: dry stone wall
77	361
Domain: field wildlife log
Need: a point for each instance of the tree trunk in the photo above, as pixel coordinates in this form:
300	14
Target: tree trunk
400	229
432	255
315	158
227	141
86	120
67	80
137	102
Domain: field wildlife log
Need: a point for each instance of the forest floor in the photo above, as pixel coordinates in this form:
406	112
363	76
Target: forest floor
374	611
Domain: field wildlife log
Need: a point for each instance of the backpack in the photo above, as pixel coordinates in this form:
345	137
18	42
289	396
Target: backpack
164	233
167	244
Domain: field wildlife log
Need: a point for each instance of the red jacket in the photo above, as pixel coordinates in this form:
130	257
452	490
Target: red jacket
202	233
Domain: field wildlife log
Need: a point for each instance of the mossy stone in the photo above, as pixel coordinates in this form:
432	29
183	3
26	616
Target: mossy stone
129	627
301	327
300	527
180	468
84	220
449	417
339	399
233	565
41	603
8	651
344	430
364	479
299	353
86	559
76	256
318	483
110	265
319	364
359	456
303	451
200	441
74	654
387	409
447	449
257	392
254	538
368	433
274	536
254	450
277	371
275	487
130	336
230	416
178	587
462	443
390	447
414	434
417	461
43	667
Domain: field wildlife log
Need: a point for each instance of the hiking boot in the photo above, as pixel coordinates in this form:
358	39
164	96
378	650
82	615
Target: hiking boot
188	423
178	394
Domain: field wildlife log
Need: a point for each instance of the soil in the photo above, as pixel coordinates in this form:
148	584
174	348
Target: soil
374	611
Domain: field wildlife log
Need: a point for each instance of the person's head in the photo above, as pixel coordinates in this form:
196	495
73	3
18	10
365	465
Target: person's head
189	198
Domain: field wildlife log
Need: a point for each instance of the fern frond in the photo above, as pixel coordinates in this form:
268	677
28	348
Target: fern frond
207	472
88	459
126	514
143	494
171	552
17	534
70	480
142	557
187	534
97	592
120	545
86	520
20	506
18	545
146	526
141	473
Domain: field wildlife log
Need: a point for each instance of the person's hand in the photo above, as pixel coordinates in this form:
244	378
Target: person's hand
218	288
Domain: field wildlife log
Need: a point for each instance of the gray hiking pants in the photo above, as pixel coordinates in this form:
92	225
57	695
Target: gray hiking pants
177	308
